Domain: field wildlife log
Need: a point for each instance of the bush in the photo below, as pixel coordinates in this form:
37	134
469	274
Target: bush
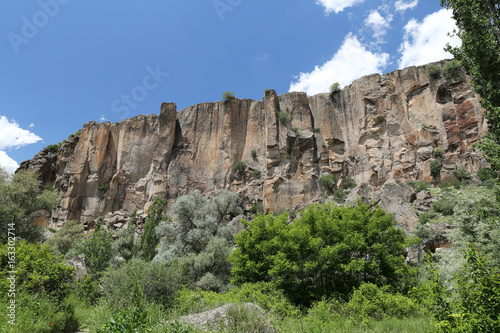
323	144
438	153
63	240
421	185
334	88
427	216
339	195
315	129
436	167
54	148
257	173
327	183
98	250
134	320
149	240
38	271
254	153
328	250
371	302
484	174
462	174
239	167
284	117
228	96
434	71
138	281
451	69
349	183
424	232
296	130
444	206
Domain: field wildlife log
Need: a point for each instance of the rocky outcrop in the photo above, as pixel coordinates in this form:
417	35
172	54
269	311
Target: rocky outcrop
378	130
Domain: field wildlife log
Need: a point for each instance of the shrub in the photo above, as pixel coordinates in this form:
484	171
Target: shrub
149	240
462	174
451	69
228	96
38	271
125	244
257	209
334	88
424	232
254	153
323	144
438	153
63	240
328	250
427	216
349	183
315	129
138	281
257	173
284	117
436	167
134	320
296	130
54	148
484	174
434	71
327	183
339	195
103	187
421	185
371	302
98	250
267	91
444	206
239	167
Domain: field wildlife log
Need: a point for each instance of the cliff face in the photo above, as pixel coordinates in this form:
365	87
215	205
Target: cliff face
379	129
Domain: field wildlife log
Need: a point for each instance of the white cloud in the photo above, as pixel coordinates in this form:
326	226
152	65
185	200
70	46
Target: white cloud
8	163
103	118
350	62
378	24
12	136
424	41
31	125
402	6
337	5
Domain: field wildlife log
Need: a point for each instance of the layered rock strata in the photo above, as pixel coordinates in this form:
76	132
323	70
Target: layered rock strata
378	130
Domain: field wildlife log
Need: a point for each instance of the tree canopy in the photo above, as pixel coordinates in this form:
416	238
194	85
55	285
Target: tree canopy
328	251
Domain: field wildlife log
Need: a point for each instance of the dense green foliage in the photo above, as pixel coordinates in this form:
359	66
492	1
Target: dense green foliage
228	96
38	271
20	198
63	240
327	183
149	239
327	251
284	117
334	88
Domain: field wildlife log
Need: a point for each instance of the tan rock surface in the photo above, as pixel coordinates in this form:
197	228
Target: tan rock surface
380	129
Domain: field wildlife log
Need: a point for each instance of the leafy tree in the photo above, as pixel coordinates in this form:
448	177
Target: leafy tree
327	251
20	197
479	30
284	117
228	96
436	167
200	236
334	88
149	240
327	183
125	244
63	240
38	271
98	250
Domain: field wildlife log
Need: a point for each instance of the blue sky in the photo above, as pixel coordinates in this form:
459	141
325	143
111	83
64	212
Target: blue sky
66	62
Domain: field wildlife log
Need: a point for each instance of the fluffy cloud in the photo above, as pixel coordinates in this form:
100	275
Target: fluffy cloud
337	5
8	163
350	62
402	6
424	42
378	24
12	136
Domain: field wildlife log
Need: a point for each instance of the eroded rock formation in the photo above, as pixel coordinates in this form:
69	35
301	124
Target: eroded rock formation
380	129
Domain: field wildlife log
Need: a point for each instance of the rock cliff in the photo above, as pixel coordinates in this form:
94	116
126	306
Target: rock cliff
380	129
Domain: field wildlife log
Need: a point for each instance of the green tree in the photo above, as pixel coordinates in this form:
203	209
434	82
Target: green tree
201	237
38	271
478	28
63	240
228	96
327	251
149	240
20	197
